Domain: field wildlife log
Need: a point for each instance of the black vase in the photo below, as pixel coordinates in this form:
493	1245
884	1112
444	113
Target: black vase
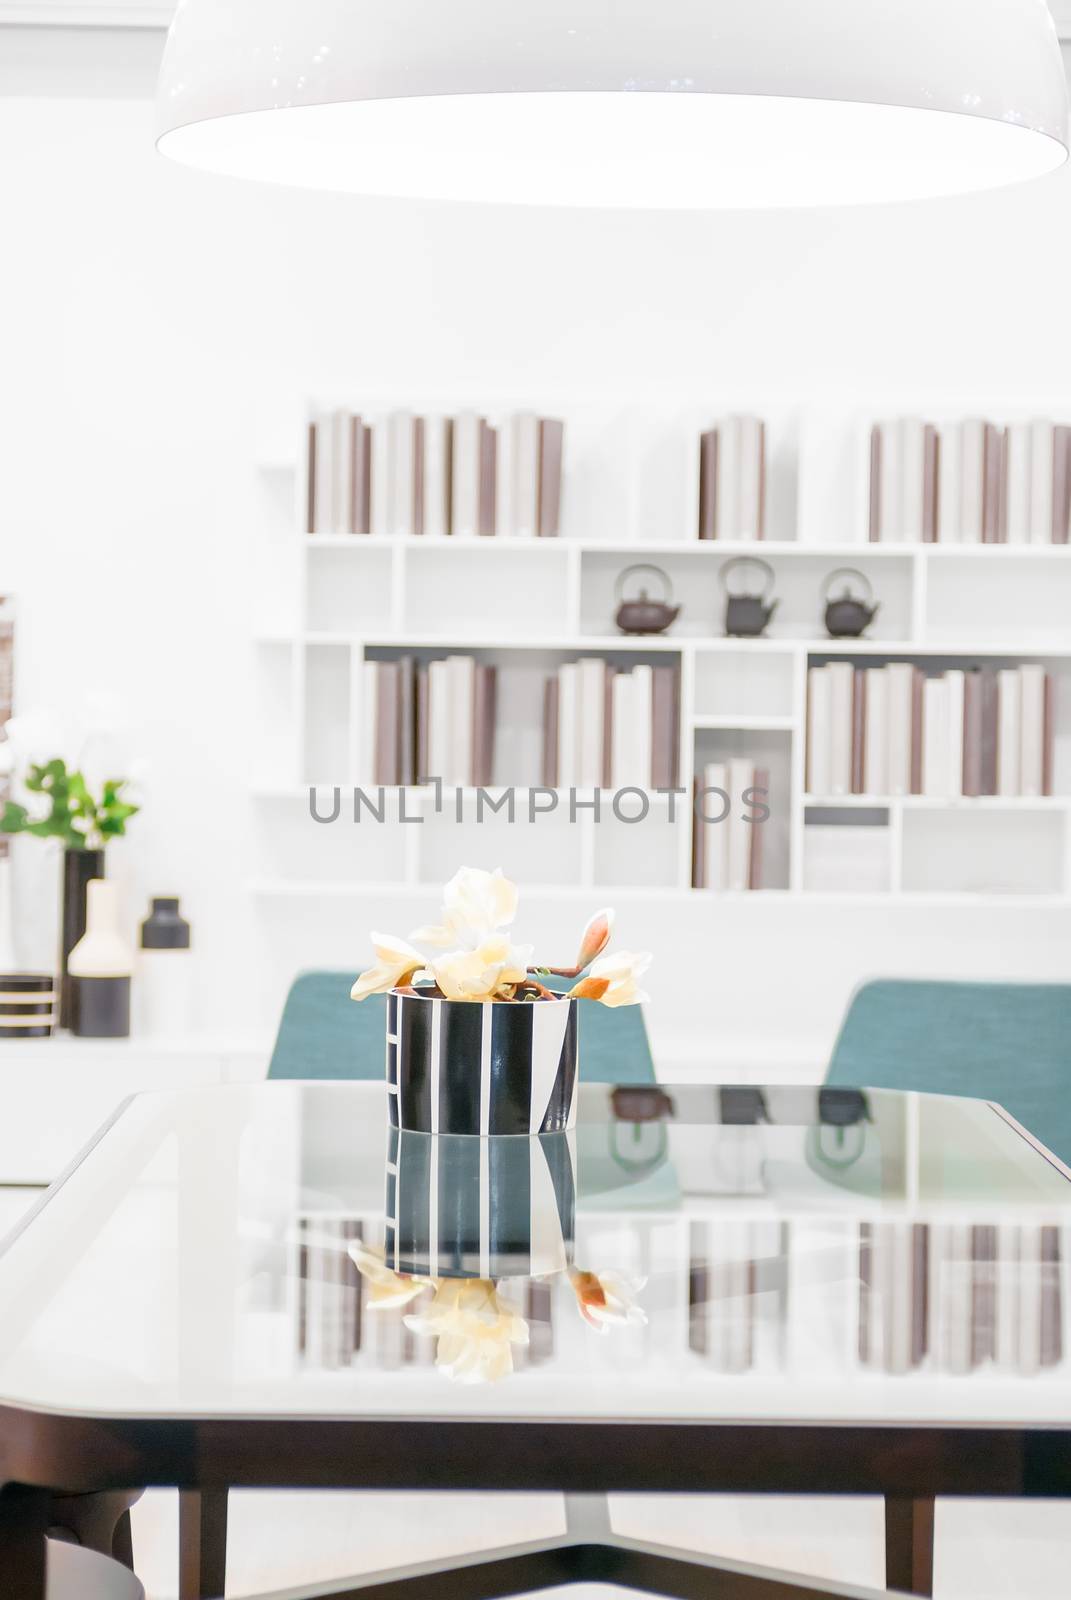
79	866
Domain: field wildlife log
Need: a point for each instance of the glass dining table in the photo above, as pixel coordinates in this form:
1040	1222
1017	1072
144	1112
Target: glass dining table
735	1289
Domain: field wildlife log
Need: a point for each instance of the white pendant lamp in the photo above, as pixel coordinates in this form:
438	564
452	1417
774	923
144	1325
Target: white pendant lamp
628	103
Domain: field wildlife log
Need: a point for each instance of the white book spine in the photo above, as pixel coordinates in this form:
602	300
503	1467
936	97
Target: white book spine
750	486
592	717
876	750
741	777
935	737
892	481
1032	731
842	680
949	484
900	695
462	696
973	480
341	472
401	499
643	691
324	486
569	725
1041	482
369	700
819	745
726	503
436	476
1009	769
440	737
1019	469
465	506
379	498
956	688
524	427
715	834
504	513
913	485
622	766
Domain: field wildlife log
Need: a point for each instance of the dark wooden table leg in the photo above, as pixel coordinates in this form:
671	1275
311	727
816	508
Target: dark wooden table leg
23	1521
909	1544
202	1544
123	1542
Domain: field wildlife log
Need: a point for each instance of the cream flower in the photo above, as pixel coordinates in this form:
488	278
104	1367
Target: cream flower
607	1299
386	1287
479	974
595	938
476	1330
623	970
476	904
395	963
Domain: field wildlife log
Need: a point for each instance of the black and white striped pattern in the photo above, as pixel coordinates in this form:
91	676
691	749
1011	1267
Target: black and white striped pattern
457	1207
27	1005
457	1066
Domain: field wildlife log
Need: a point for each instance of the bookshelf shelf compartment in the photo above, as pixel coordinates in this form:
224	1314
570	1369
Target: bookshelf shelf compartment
460	589
344	592
983	853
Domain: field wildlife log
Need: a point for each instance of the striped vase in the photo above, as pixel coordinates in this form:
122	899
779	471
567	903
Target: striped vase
479	1208
465	1066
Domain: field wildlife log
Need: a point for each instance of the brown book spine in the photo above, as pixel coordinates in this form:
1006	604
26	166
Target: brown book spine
550	732
875	484
423	729
483	724
418	475
931	468
406	762
1061	484
973	707
386	723
990	732
760	780
993	452
859	730
1048	727
699	851
488	475
608	728
361	507
551	448
918	679
662	719
708	484
310	487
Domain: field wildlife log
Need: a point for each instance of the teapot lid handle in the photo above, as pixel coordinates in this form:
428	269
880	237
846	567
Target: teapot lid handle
748	561
643	566
848	572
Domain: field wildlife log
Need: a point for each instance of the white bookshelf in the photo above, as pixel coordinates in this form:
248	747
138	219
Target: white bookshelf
331	604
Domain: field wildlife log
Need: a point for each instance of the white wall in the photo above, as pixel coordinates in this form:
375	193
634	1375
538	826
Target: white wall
159	327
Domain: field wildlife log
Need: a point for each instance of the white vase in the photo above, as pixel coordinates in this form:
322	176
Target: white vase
100	966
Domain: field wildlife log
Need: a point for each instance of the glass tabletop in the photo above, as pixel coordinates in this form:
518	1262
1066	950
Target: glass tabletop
702	1252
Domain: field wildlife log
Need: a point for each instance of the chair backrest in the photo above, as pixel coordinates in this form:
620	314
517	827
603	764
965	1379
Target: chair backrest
323	1034
1009	1042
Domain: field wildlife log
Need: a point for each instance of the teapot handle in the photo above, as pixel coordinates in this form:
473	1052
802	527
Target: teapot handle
748	561
848	572
644	566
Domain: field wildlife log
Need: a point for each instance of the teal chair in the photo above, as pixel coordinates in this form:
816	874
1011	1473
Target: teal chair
324	1034
1008	1042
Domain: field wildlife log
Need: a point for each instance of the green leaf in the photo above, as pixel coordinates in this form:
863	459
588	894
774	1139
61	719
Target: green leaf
15	818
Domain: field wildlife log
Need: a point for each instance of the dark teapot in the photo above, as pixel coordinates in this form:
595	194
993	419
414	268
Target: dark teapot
848	616
641	614
747	614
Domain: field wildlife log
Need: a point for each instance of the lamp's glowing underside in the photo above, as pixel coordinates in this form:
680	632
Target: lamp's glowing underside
688	104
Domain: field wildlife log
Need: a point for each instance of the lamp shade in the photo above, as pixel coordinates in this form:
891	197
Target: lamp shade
627	103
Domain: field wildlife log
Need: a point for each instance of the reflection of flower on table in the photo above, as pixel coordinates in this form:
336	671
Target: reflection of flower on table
475	1325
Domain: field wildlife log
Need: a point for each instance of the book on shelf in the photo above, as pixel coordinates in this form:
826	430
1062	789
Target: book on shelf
727	851
892	730
428	720
412	475
732	479
605	727
970	482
